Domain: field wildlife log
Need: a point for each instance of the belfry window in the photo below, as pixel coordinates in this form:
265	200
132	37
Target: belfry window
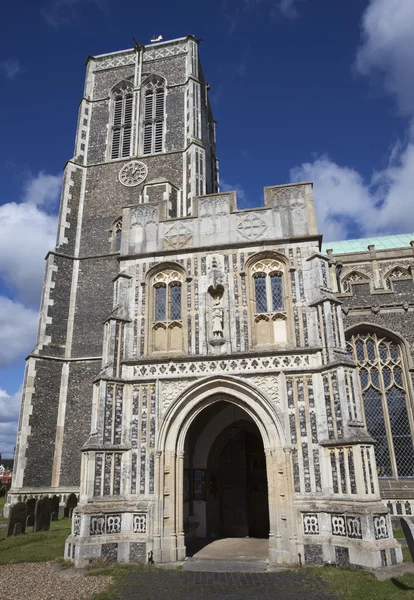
167	325
154	117
385	400
121	129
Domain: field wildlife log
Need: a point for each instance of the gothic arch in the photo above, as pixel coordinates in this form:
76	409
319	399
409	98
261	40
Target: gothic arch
395	272
368	327
266	254
192	401
351	277
169	466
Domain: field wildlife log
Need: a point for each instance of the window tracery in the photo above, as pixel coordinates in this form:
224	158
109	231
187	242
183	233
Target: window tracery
116	236
396	273
121	128
153	116
269	303
167	311
385	400
351	278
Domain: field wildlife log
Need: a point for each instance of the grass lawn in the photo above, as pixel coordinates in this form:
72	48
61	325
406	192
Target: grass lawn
35	547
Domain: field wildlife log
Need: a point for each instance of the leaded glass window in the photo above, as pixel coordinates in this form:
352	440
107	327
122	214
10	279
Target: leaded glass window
175	302
268	291
385	399
260	292
160	302
277	291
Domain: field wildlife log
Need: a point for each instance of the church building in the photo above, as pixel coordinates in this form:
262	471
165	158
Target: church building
203	371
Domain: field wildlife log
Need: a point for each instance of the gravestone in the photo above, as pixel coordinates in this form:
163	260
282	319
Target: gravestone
408	530
29	520
18	514
31	505
42	515
18	529
71	503
2	491
55	508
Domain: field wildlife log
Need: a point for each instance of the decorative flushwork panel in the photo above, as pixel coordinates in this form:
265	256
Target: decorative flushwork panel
346	526
332	405
115	61
143	431
310	523
343	470
164	51
107	480
380	527
230	366
139	523
105	524
304	434
113	414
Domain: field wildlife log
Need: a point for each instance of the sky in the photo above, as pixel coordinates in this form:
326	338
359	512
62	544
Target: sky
303	90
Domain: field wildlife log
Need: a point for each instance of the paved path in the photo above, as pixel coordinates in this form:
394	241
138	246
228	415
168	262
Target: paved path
187	585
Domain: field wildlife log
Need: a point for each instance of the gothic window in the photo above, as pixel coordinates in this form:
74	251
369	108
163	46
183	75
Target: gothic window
117	235
396	273
269	304
351	278
153	116
386	402
121	128
167	325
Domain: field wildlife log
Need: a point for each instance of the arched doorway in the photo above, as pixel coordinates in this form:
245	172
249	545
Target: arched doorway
176	513
226	490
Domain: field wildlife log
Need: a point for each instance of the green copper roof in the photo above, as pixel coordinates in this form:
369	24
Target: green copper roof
385	242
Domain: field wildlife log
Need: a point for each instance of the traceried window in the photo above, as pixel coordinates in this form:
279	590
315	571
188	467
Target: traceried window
167	311
121	129
117	235
352	278
153	116
396	273
269	309
386	402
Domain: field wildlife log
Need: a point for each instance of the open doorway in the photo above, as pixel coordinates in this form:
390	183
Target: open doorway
225	480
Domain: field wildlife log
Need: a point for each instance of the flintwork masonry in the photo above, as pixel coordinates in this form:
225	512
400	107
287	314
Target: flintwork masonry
203	371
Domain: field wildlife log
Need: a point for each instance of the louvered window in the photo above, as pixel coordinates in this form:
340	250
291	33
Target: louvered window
154	116
122	123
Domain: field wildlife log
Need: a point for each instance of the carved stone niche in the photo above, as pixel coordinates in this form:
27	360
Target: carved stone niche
215	304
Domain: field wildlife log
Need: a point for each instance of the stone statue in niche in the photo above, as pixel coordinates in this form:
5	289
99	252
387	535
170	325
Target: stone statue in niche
216	291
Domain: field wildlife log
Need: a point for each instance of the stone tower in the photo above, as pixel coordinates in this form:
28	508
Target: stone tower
194	352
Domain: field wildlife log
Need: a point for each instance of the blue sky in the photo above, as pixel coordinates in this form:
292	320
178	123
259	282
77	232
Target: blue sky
301	89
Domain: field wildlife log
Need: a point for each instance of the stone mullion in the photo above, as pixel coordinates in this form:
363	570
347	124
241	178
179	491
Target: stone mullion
390	440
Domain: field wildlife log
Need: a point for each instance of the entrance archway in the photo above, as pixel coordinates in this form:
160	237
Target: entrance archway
173	517
225	478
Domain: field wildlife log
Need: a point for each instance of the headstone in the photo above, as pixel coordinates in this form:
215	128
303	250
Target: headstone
54	516
18	514
71	503
29	520
42	515
55	508
31	505
2	491
18	529
408	529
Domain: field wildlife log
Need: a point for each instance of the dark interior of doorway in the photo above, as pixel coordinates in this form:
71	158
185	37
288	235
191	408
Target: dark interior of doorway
236	492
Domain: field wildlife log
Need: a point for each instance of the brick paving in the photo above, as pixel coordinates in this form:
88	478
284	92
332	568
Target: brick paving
190	585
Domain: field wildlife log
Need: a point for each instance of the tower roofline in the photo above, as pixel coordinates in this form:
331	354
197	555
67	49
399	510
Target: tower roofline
126	50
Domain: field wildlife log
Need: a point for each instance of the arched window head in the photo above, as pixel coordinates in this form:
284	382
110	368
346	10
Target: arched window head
153	116
167	327
117	235
121	127
351	278
385	396
396	273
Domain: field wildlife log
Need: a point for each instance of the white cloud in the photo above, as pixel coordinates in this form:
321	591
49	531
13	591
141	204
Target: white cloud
9	416
289	9
387	48
27	232
10	68
345	203
18	326
242	201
